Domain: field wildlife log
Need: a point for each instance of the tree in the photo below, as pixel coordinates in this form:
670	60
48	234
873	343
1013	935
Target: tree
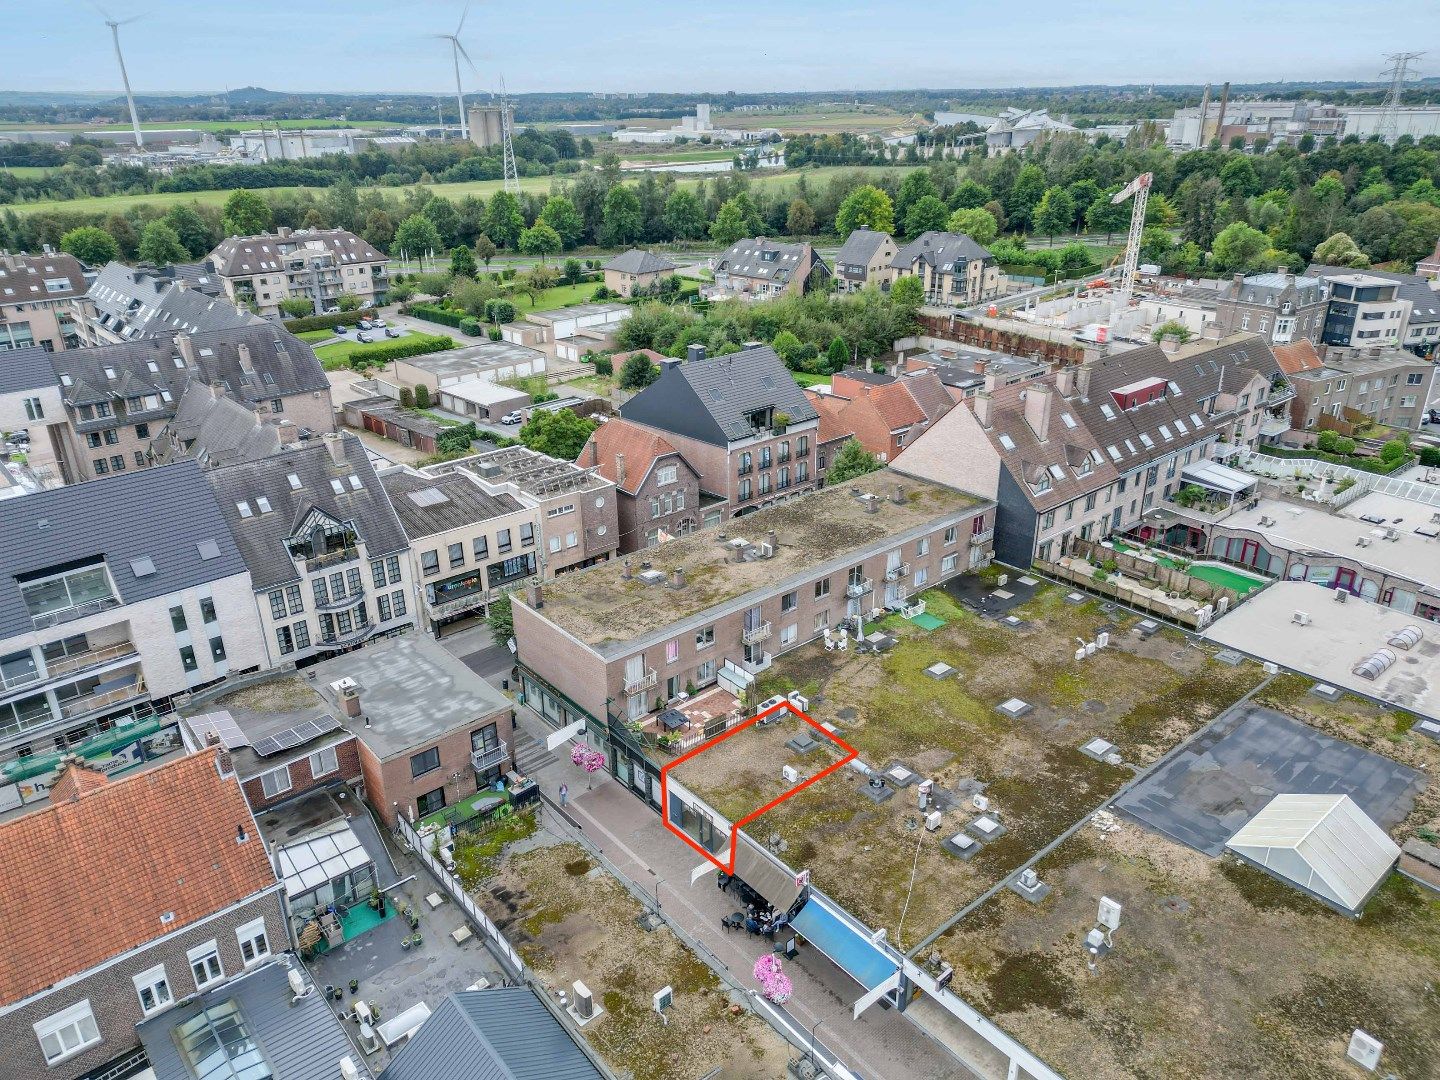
559	433
560	214
484	249
683	215
379	229
787	346
416	237
572	272
917	185
1341	250
978	224
928	213
800	218
1054	213
91	245
160	244
1237	247
190	227
500	618
1199	209
1025	194
850	461
1102	215
1174	328
622	222
499	311
462	262
313	219
245	214
540	239
422	396
503	221
736	219
837	355
535	281
637	372
348	302
297	306
970	195
1329	195
1238	177
908	292
865	207
118	226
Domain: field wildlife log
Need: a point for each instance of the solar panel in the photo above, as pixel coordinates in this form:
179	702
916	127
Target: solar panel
298	735
224	725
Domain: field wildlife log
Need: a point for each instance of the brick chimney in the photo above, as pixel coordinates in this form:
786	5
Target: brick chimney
1038	399
982	408
1082	380
335	444
350	701
243	350
186	345
1065	381
224	764
620	471
75	778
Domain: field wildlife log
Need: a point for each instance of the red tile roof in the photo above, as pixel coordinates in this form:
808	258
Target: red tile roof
639	445
929	392
1298	356
90	877
895	405
832	425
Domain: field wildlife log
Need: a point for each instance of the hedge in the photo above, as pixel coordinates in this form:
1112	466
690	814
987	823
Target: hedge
443	316
1364	464
1430	457
327	322
470	326
409	345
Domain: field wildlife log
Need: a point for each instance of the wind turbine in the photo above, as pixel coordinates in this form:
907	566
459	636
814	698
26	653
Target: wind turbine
115	25
456	51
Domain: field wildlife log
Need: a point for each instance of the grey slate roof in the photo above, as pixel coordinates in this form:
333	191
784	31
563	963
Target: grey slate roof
1266	289
499	1034
709	399
859	248
215	430
25	369
262	537
244	255
767	260
465	502
164	513
302	1040
133	302
636	261
23	277
940	249
1425	301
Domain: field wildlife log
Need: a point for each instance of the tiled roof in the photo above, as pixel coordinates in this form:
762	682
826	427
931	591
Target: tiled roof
427	505
26	369
1297	356
640	446
135	302
928	390
75	893
766	260
859	248
832	423
25	279
637	262
939	249
215	430
268	253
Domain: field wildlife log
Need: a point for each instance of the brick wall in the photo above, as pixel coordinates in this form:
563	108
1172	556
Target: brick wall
347	760
560	660
394	790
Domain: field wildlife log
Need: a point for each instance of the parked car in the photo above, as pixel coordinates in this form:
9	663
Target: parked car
342	329
363	338
20	437
365	324
512	418
378	322
390	331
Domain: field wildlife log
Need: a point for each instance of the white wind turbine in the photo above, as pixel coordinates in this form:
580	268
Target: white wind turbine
456	51
115	25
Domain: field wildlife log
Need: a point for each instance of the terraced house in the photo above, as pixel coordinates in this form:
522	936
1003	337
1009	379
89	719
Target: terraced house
320	265
42	301
130	302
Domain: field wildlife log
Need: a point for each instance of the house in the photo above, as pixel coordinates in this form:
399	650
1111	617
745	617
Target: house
432	732
492	361
759	268
115	596
118	397
215	429
657	489
739	420
30	401
636	272
614	646
1088	450
319	265
885	413
468	546
1430	267
386	417
1415	294
576	509
864	259
1297	357
184	904
1388	386
130	302
955	270
42	301
1280	306
512	1032
327	556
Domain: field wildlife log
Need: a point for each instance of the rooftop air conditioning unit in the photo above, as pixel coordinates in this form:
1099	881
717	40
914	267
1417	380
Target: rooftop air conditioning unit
1341	594
799	700
348	1069
299	988
789	774
932	820
1363	541
1392	533
1301	618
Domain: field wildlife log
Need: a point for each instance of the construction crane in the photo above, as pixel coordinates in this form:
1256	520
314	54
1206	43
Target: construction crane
1140	189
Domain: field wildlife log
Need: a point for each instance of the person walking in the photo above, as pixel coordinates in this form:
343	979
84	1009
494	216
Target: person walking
564	793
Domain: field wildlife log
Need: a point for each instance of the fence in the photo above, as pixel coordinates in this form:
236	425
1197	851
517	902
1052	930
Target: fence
451	884
1398	483
1133	598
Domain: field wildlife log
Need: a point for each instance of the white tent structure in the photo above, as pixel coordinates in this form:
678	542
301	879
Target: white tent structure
1324	845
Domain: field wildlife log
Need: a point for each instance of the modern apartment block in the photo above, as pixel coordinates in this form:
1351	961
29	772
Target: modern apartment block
329	563
42	301
864	259
739	420
613	644
1364	310
955	270
320	265
1390	386
115	596
1415	295
128	302
1088	450
124	898
119	397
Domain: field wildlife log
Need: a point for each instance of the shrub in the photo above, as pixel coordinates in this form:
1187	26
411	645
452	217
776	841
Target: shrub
602	293
1430	457
422	396
434	313
499	310
495	334
456	439
1174	328
325	322
1393	450
604	365
1334	443
407	397
410	345
470	326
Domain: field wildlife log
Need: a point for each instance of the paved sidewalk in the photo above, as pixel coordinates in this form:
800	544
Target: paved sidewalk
880	1045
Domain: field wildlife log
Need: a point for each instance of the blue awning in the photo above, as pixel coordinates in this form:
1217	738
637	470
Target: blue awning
844	943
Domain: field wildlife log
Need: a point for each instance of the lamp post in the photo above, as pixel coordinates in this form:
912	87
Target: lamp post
658	883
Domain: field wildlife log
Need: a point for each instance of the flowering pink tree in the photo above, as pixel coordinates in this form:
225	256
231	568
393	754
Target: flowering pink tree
592	761
774	983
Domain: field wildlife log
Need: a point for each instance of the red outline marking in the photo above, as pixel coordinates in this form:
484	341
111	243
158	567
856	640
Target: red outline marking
735	828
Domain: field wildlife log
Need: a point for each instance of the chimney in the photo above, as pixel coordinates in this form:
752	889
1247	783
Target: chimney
981	365
872	504
677	578
625	573
350	701
620	471
289	433
75	779
1082	380
1170	344
244	352
898	495
594	448
186	347
335	443
1065	381
1237	281
283	231
982	408
773	540
695	352
1038	398
534	594
223	763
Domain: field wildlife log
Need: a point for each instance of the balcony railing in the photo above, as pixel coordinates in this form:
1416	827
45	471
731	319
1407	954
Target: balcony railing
338	603
79	661
745	470
895	573
343	641
481	760
460	604
755	667
859	588
80	706
977	539
644	682
70	614
332	558
755	634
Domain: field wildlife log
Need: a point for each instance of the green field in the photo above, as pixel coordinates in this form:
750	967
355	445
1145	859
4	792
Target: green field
31	171
316	335
559	296
206	125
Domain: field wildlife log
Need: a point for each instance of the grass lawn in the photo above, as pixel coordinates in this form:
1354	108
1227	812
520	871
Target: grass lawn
804	378
316	335
337	356
559	296
30	171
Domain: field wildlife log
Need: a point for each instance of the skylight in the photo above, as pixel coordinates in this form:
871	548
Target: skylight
1057	472
1067	420
244	508
337	486
264	504
295	484
1180	426
1131	447
1007	442
355	483
1107	410
1174	387
1195	419
1165	431
1149	442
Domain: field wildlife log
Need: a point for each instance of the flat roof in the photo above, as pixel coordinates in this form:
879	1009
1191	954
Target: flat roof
1338	637
577	310
482	391
605	611
412	691
474	358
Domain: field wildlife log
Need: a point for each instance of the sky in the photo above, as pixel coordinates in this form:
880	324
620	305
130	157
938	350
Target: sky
705	45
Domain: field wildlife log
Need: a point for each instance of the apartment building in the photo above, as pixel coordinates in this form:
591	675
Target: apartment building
614	646
864	259
575	507
328	559
1280	307
118	397
758	268
955	270
1087	450
104	930
886	413
1415	294
1364	310
42	301
739	420
320	265
115	596
468	547
1390	386
128	302
30	401
636	272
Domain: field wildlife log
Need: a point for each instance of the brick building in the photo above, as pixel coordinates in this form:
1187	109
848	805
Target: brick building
885	413
320	265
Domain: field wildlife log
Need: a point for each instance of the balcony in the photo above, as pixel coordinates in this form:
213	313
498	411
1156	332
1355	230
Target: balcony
344	641
80	661
340	603
755	667
484	760
895	573
77	707
981	538
332	558
461	604
857	589
70	614
641	684
755	634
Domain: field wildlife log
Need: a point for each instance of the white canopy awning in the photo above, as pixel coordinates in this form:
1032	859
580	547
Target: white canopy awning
1217	477
309	863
